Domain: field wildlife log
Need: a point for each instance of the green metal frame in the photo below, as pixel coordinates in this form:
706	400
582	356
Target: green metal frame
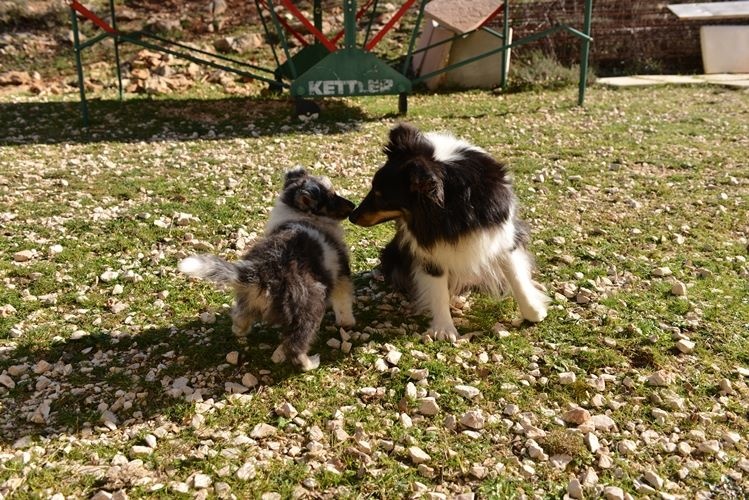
315	70
157	44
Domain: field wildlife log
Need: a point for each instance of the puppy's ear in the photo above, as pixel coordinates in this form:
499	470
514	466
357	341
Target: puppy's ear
427	182
403	138
294	174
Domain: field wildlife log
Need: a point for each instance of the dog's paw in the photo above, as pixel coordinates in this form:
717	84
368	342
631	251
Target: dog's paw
442	332
345	321
308	362
533	312
279	355
239	331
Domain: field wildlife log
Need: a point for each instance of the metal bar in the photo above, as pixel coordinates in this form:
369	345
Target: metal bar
584	52
194	59
302	19
410	53
349	24
396	17
76	5
294	32
490	31
317	17
280	33
371	20
517	43
199	51
442	42
267	31
577	33
359	14
79	66
505	34
116	48
93	41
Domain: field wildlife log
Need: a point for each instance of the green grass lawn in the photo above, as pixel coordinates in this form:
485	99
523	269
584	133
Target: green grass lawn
636	181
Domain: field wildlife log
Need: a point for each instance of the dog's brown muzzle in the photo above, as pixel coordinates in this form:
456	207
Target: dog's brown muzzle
366	214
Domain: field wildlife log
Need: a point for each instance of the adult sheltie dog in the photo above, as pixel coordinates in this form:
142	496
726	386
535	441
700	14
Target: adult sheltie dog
456	225
290	275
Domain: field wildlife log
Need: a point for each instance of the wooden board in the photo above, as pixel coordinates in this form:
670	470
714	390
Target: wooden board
711	11
463	16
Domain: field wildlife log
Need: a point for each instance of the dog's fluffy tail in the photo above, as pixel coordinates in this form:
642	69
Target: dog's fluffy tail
211	268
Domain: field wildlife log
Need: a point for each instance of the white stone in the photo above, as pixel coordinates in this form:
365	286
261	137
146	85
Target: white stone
346	346
108	276
333	343
249	380
591	441
201	481
405	421
560	461
418	374
417	455
575	489
511	410
232	357
731	438
685	346
627	447
428	406
653	479
467	391
23	256
567	378
661	378
662	271
473	419
118	289
411	391
208	317
589	477
709	447
7	381
576	416
150	440
613	493
393	357
603	422
55	250
679	289
246	472
286	410
141	450
263	430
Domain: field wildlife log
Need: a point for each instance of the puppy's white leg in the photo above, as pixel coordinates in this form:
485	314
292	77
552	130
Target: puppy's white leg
308	362
532	302
241	315
434	294
342	298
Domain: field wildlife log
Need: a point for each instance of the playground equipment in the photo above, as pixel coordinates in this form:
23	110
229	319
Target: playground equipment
324	67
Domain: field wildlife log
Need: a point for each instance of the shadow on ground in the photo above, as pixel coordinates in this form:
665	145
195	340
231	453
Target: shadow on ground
103	367
138	119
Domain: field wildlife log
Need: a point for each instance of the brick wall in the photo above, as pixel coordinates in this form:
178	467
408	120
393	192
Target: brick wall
629	35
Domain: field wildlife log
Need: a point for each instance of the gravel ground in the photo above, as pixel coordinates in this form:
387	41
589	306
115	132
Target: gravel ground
120	378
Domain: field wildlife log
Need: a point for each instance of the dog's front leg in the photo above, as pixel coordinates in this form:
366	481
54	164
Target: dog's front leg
341	298
434	294
532	302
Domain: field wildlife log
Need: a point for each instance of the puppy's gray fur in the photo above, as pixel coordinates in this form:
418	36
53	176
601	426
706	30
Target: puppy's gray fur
290	275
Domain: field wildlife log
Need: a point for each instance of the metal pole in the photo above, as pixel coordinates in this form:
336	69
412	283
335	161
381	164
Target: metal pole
505	53
317	18
371	20
585	51
79	67
282	38
349	24
116	47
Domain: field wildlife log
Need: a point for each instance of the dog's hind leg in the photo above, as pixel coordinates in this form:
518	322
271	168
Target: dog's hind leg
304	310
532	302
434	294
242	316
341	298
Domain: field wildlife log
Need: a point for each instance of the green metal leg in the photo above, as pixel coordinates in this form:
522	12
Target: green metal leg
116	48
409	55
282	37
349	23
585	51
79	67
505	36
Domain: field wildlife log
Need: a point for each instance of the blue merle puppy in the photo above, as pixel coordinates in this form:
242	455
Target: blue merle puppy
291	274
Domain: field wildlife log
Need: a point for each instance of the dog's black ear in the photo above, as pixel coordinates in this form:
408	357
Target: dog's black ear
294	174
426	181
403	138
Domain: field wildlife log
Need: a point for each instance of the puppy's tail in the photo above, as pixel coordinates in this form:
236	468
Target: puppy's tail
211	268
